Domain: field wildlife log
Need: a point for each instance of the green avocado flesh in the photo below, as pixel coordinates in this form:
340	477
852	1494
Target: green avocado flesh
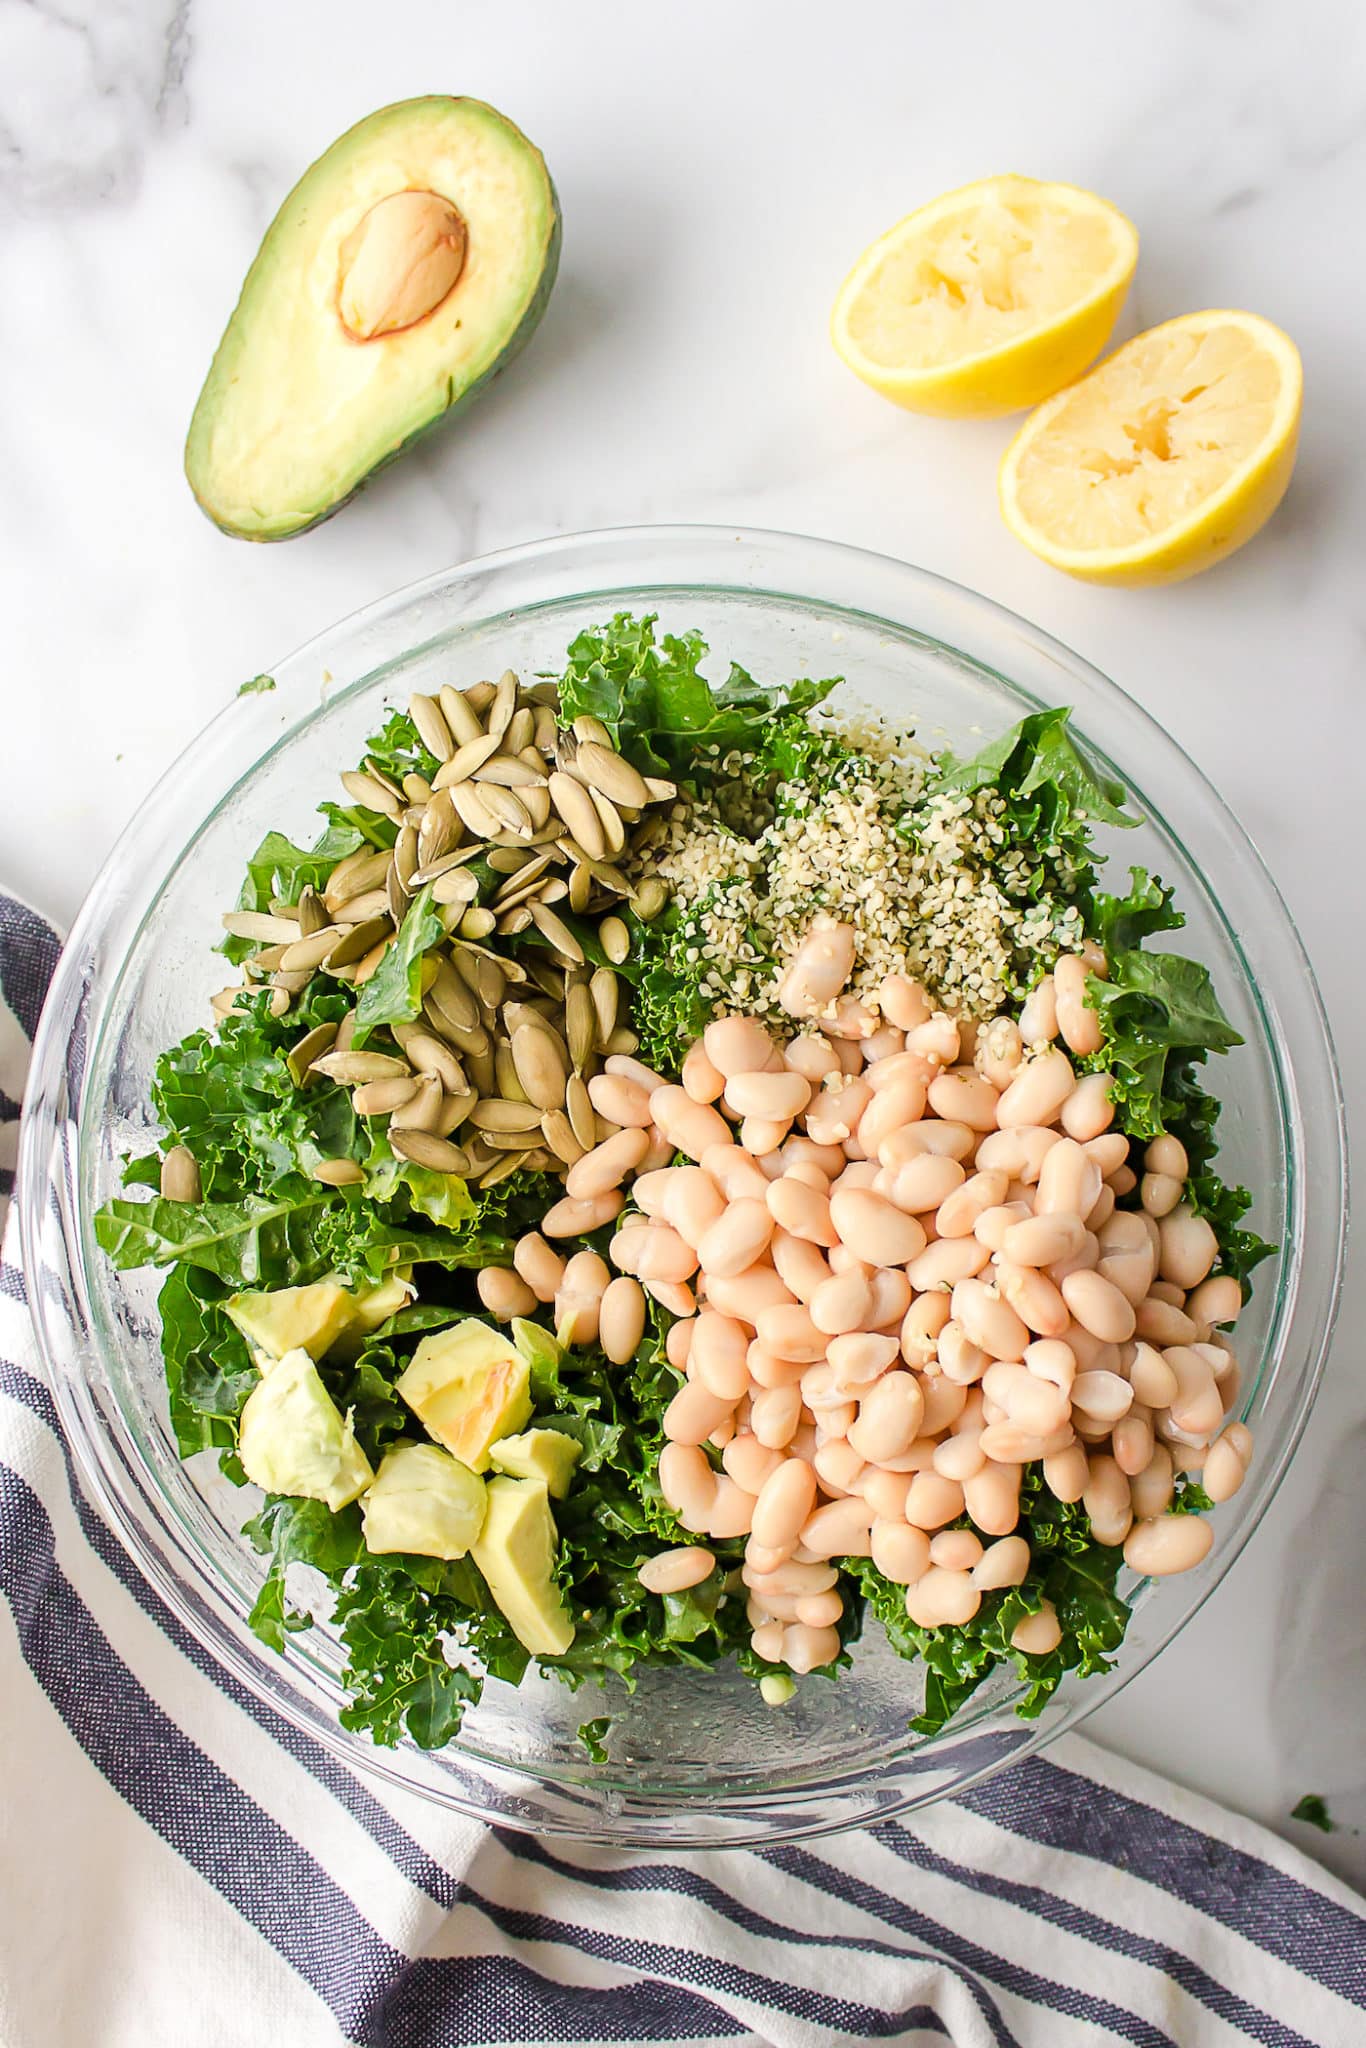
296	411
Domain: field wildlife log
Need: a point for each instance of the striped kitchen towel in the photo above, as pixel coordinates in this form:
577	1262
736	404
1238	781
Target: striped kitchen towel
179	1865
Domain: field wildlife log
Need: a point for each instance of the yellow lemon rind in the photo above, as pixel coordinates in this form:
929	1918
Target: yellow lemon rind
1016	373
1214	529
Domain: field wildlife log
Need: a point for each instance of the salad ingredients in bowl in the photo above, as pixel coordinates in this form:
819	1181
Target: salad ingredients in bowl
678	1176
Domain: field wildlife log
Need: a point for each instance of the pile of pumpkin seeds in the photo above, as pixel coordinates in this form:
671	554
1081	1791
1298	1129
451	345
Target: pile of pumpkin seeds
492	1076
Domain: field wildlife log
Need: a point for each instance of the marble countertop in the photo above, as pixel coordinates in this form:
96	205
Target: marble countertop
719	167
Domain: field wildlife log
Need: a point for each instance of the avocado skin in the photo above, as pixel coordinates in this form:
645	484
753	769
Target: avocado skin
290	524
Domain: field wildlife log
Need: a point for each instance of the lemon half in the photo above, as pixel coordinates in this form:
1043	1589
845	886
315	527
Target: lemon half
987	300
1171	454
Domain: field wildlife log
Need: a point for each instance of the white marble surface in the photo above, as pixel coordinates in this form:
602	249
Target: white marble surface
719	166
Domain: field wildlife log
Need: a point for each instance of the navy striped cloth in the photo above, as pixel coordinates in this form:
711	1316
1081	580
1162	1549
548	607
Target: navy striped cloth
181	1865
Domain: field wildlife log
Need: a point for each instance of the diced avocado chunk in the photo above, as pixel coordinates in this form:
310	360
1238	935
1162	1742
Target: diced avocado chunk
407	267
516	1554
373	1308
375	1305
423	1501
546	1454
468	1386
294	1318
293	1438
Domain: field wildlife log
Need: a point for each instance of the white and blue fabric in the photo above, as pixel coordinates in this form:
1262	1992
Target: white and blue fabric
180	1866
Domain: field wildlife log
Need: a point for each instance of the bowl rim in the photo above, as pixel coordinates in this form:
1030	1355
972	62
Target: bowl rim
608	546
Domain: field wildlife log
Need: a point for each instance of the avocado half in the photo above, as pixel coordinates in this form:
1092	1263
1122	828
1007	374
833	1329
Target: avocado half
407	267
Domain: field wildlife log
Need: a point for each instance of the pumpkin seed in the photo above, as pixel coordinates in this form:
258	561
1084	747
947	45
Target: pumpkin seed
417	789
432	728
505	1075
312	914
264	961
354	944
509	1141
581	1025
504	703
180	1175
405	857
615	939
462	856
474	812
480	696
509	773
353	876
540	1065
310	1047
621	1041
465	760
573	803
481	1068
613	831
521	730
425	1149
338	1173
605	872
580	890
497	1113
259	925
553	927
395	892
536	804
507	807
459	714
427	1055
582	1120
490	982
506	860
544	728
423	1107
381	1098
559	1136
306	954
501	1168
605	992
453	1110
591	732
368	967
439	831
541	1161
546	975
455	885
606	771
476	924
351	1068
374	903
291	984
514	921
658	790
469	1040
346	1031
371	793
649	898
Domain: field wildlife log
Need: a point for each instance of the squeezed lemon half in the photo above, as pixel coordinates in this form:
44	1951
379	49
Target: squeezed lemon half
987	300
1171	454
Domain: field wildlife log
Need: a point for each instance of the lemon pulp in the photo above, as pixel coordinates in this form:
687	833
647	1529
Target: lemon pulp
975	279
1166	457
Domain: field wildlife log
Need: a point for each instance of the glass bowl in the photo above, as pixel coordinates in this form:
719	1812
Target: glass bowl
695	1758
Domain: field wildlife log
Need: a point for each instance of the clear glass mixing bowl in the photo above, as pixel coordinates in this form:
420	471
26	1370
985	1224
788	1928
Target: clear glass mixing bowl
695	1757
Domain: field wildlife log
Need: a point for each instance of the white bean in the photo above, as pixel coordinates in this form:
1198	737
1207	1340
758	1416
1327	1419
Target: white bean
673	1571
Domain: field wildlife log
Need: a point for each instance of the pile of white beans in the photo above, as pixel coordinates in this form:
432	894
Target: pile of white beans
900	1276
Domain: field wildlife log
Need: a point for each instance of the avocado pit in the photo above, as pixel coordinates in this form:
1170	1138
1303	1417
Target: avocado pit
400	262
